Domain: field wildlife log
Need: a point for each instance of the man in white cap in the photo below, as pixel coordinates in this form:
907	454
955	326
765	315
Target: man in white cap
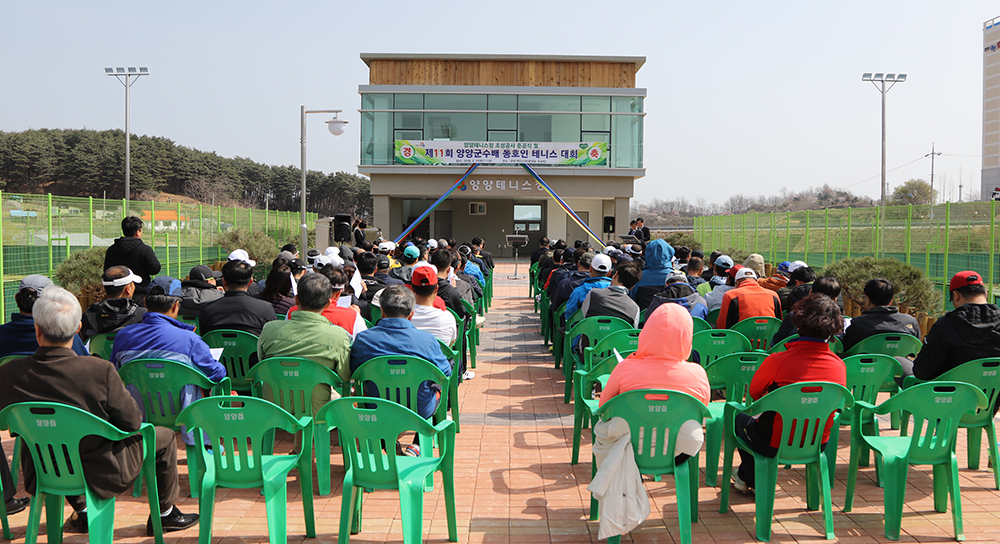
600	269
118	309
17	336
242	255
747	300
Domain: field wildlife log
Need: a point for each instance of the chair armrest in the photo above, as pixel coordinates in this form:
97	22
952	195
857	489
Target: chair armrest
223	387
446	446
910	381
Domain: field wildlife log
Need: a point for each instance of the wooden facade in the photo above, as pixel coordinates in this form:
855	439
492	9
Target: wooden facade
515	73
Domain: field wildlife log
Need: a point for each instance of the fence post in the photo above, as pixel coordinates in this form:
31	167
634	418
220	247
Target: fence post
166	247
152	227
806	256
773	241
218	252
124	210
849	228
826	232
993	232
3	283
49	215
249	218
947	248
877	233
179	240
788	234
90	220
201	231
909	224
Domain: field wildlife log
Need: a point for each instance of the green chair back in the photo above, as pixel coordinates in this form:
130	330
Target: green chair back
8	358
397	378
865	375
835	345
700	325
368	432
713	316
465	342
376	313
102	344
189	319
238	356
454	356
291	381
558	320
758	330
716	343
240	430
625	341
732	373
160	381
895	344
52	433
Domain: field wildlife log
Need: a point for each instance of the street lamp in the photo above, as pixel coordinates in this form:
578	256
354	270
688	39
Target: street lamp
337	127
127	77
893	79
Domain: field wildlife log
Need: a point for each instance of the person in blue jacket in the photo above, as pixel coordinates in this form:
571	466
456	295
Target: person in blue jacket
17	337
658	257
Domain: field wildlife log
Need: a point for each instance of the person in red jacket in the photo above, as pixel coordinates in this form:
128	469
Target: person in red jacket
808	359
749	299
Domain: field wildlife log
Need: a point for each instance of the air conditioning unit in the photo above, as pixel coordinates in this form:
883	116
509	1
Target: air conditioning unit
477	208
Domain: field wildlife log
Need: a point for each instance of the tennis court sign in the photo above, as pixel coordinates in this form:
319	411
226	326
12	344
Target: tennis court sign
544	153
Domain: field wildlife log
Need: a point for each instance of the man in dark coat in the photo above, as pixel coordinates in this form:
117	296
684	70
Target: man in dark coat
118	309
880	316
55	374
237	310
130	251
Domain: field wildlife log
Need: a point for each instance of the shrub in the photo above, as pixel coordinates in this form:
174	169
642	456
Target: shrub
81	273
296	238
912	288
678	239
261	247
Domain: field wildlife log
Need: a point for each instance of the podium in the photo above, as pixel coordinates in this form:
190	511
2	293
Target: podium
515	241
629	239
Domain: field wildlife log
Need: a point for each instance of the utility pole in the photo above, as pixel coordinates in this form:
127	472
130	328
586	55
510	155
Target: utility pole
932	154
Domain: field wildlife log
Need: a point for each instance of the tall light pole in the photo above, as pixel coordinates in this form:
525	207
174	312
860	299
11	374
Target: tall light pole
337	127
127	77
876	79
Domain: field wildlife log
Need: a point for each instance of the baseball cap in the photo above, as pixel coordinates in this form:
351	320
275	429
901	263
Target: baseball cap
783	266
386	247
608	249
200	272
676	275
131	277
347	254
624	258
963	279
724	261
424	275
321	261
412	252
635	249
285	256
382	261
797	265
601	263
331	251
242	255
297	265
744	273
432	243
36	282
165	285
734	269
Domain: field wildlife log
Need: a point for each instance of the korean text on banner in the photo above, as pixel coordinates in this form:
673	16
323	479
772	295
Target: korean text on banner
544	153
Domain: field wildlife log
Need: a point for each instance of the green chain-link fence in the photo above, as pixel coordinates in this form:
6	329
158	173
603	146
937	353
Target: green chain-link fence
41	231
941	240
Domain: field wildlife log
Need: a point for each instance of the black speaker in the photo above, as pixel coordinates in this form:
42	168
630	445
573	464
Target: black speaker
609	223
342	228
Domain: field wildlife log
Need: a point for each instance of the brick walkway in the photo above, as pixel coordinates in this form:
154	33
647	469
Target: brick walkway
515	483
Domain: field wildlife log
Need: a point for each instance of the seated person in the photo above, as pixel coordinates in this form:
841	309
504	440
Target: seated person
18	335
600	269
678	291
426	317
660	362
809	360
721	281
54	373
827	285
747	300
879	316
348	318
970	331
394	334
118	309
799	283
237	310
199	289
278	289
614	301
779	279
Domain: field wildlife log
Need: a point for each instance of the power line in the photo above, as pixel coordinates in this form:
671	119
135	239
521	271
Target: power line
887	171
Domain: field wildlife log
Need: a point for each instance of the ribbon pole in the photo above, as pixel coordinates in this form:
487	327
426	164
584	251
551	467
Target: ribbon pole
565	206
435	204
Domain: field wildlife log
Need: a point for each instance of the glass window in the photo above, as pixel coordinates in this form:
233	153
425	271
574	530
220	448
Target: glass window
627	104
594	122
596	103
534	227
548	103
626	141
409	102
409	120
455	126
376	101
595	137
503	102
524	212
548	127
409	135
455	102
376	138
503	121
502	135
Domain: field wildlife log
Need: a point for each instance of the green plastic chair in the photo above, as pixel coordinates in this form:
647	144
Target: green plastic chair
368	431
189	319
239	354
717	343
368	324
455	357
835	345
468	347
471	311
625	341
595	329
281	317
102	344
713	317
732	373
758	330
52	432
659	413
11	357
159	382
982	373
937	408
894	344
238	429
546	318
586	404
290	381
865	376
804	408
700	325
532	284
559	321
376	313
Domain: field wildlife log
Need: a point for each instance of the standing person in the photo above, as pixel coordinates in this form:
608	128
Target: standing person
359	232
631	228
130	251
237	310
642	231
808	359
117	309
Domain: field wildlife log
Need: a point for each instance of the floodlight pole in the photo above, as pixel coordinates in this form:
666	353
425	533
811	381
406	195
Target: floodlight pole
336	126
127	82
882	78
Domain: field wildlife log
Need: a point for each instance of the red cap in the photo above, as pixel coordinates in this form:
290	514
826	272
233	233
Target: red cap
962	279
736	268
424	275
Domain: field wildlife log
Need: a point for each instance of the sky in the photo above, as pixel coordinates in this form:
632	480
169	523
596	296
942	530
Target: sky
742	97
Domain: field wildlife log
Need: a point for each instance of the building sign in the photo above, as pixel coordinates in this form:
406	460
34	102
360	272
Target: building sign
506	185
991	47
545	153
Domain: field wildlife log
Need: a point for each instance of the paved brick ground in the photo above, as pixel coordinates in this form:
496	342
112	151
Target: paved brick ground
515	483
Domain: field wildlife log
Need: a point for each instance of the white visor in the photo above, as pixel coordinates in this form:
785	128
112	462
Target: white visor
131	278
